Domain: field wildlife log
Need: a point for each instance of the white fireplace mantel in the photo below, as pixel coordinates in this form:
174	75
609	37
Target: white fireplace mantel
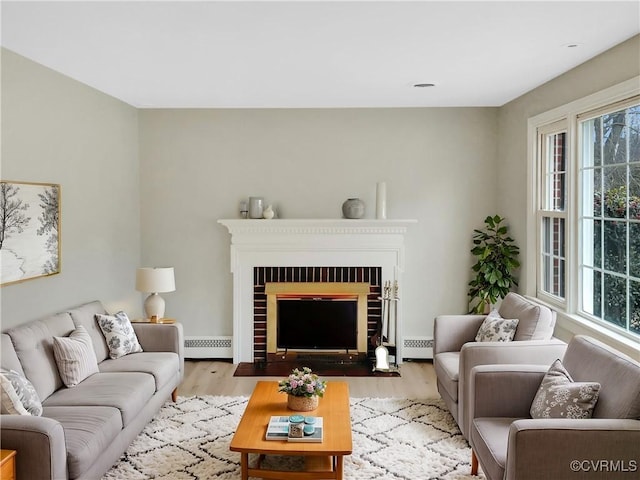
307	242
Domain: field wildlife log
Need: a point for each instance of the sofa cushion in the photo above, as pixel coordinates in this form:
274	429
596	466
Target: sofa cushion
85	315
120	335
536	322
494	328
587	359
560	397
10	360
129	392
33	343
18	395
88	431
74	356
164	366
447	365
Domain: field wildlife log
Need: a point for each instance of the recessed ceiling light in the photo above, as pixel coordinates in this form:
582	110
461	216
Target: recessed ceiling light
424	85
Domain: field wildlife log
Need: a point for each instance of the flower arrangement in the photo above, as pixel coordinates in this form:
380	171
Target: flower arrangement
302	383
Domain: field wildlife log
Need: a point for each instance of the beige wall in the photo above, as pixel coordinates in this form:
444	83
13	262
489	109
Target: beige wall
146	187
439	165
57	130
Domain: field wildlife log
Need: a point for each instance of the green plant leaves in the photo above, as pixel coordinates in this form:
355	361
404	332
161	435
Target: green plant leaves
496	255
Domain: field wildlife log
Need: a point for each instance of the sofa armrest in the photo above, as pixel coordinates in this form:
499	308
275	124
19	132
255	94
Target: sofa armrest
472	354
566	448
451	332
40	444
167	337
503	390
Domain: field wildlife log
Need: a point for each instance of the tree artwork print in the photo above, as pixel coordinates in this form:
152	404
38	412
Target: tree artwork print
29	230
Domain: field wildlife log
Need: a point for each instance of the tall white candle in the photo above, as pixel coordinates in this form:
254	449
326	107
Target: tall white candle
381	200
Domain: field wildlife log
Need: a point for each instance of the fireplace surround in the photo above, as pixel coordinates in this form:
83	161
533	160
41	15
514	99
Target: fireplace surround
314	291
333	248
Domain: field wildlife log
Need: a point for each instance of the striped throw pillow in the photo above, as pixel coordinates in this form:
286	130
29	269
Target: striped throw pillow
75	357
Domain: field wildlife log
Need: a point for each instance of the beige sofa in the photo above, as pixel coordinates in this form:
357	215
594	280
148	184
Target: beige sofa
510	445
456	352
85	429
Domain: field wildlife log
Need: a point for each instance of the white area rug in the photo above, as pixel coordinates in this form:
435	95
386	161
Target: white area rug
393	439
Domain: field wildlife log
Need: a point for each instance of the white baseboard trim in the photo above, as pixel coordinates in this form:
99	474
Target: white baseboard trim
208	347
417	347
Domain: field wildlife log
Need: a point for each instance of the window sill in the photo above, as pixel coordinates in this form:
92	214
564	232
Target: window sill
568	325
576	325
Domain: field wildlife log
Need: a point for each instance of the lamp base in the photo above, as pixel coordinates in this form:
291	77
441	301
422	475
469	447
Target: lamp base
154	306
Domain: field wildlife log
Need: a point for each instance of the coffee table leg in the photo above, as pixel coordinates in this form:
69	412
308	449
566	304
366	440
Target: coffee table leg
244	466
339	467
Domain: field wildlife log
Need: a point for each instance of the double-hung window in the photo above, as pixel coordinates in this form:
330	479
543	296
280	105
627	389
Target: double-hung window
587	209
609	175
552	211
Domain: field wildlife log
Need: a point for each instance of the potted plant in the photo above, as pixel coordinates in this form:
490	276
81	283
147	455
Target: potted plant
496	254
303	389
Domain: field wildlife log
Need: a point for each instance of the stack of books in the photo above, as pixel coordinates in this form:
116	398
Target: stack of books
278	429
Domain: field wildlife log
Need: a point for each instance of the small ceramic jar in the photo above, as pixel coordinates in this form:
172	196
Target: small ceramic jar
296	426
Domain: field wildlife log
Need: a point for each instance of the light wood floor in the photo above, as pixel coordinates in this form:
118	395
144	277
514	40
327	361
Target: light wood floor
206	377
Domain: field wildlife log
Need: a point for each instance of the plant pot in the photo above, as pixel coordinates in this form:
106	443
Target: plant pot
302	404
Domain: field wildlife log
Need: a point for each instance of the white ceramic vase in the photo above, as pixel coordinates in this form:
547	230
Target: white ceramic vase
268	213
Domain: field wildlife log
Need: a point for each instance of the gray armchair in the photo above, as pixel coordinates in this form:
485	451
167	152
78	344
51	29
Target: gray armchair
456	352
508	444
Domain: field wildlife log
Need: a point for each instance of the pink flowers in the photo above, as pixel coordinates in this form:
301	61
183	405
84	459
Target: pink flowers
302	383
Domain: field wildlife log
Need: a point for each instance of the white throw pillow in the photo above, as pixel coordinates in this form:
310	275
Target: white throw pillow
121	338
75	357
18	396
497	329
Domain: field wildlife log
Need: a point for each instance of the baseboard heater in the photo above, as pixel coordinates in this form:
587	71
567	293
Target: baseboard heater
221	347
417	348
208	347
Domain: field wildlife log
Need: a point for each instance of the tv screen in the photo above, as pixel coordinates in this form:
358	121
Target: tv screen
317	324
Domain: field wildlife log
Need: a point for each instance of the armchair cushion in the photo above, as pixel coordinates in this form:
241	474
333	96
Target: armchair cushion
497	329
490	437
560	397
587	359
536	322
447	372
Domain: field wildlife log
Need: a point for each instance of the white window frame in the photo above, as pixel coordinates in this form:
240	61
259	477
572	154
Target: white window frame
568	114
542	134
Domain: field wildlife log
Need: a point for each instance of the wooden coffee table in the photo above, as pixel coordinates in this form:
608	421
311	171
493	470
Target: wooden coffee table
323	460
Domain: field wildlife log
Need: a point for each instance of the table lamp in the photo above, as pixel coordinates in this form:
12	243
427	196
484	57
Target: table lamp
155	280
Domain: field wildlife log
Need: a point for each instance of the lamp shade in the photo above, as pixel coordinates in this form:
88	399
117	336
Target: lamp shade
155	279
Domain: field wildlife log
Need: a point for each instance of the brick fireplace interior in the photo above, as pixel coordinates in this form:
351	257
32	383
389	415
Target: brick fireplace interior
315	281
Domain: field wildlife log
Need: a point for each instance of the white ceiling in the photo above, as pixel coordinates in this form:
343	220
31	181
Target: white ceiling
294	54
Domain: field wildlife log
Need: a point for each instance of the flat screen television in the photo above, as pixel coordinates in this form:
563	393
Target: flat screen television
317	324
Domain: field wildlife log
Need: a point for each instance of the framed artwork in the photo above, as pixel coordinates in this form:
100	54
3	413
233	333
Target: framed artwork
29	231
